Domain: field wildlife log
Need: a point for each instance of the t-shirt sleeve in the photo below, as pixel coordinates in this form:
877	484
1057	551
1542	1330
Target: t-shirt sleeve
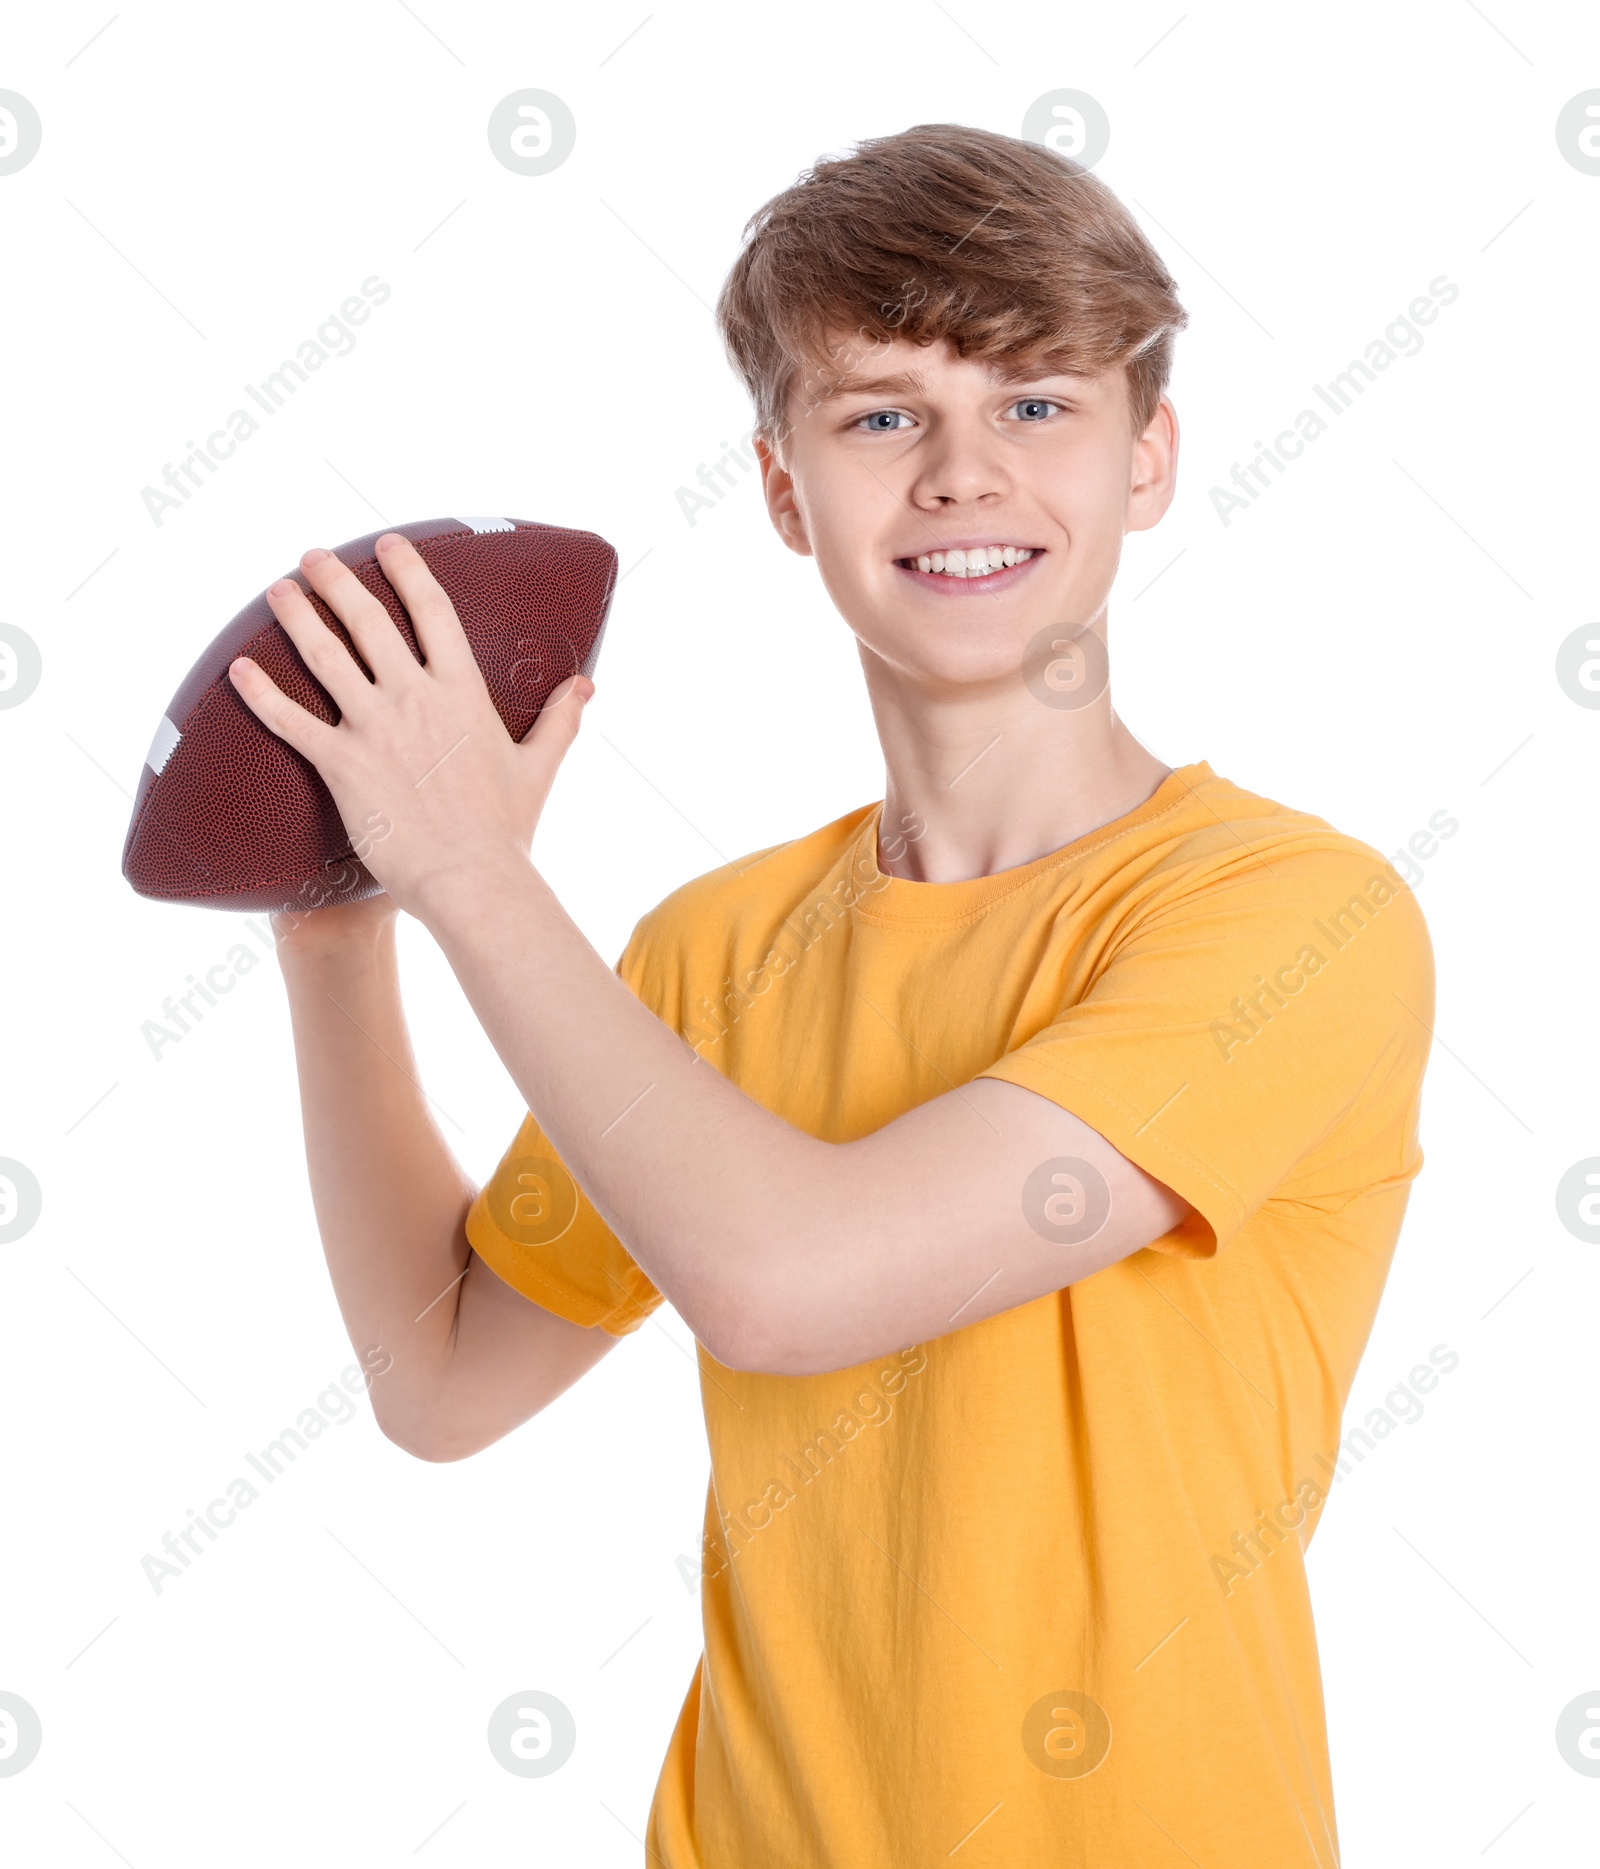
1258	1035
533	1225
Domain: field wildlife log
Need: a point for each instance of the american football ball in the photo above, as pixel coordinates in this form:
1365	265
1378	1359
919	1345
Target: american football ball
230	816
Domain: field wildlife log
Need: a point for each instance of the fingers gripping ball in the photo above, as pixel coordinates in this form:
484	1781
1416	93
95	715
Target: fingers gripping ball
227	814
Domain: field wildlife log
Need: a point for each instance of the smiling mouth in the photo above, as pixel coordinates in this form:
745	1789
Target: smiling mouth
963	569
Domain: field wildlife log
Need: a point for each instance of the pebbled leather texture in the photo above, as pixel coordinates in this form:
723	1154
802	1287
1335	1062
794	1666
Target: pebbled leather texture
236	819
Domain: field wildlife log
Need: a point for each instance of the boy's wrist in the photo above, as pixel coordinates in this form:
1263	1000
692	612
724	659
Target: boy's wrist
455	901
341	937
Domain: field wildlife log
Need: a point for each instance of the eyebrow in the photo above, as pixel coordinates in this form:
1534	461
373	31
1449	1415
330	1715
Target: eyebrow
913	383
903	382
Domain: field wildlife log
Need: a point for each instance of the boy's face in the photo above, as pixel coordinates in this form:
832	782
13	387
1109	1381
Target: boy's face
919	452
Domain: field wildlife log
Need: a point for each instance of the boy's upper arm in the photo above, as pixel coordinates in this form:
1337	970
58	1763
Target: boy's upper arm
513	1357
538	1231
507	1359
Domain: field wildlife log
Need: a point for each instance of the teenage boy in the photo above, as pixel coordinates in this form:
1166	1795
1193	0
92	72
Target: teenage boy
1026	1151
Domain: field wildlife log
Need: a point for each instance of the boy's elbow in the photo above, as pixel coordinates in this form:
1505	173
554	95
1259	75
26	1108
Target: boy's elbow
758	1335
430	1439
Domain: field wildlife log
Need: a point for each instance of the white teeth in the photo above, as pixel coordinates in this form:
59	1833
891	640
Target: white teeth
978	561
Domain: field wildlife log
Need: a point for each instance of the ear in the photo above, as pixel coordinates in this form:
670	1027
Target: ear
783	507
1155	469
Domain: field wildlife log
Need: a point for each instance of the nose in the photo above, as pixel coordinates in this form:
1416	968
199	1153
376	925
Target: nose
961	463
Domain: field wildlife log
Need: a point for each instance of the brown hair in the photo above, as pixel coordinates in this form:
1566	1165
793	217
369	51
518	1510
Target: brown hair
1017	255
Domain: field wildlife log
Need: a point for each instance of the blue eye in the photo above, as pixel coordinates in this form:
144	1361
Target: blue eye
883	421
1034	408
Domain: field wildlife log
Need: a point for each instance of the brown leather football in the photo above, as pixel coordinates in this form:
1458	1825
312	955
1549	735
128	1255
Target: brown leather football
230	816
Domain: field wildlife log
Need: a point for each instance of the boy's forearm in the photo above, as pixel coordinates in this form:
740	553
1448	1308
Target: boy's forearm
390	1198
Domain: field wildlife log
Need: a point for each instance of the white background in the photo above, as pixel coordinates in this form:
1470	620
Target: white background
1373	640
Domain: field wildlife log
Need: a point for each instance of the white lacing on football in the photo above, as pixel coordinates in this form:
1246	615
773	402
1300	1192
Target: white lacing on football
488	525
161	747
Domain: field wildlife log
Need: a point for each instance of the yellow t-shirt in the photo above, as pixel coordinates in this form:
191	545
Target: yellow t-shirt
1036	1588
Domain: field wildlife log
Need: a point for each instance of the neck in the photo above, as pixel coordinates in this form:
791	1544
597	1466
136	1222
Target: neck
984	779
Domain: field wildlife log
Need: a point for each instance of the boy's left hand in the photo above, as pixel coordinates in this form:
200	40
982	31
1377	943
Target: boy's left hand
430	786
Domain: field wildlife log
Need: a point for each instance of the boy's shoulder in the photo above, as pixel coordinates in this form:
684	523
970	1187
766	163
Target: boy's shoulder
1215	824
1242	877
764	886
1225	813
1235	853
